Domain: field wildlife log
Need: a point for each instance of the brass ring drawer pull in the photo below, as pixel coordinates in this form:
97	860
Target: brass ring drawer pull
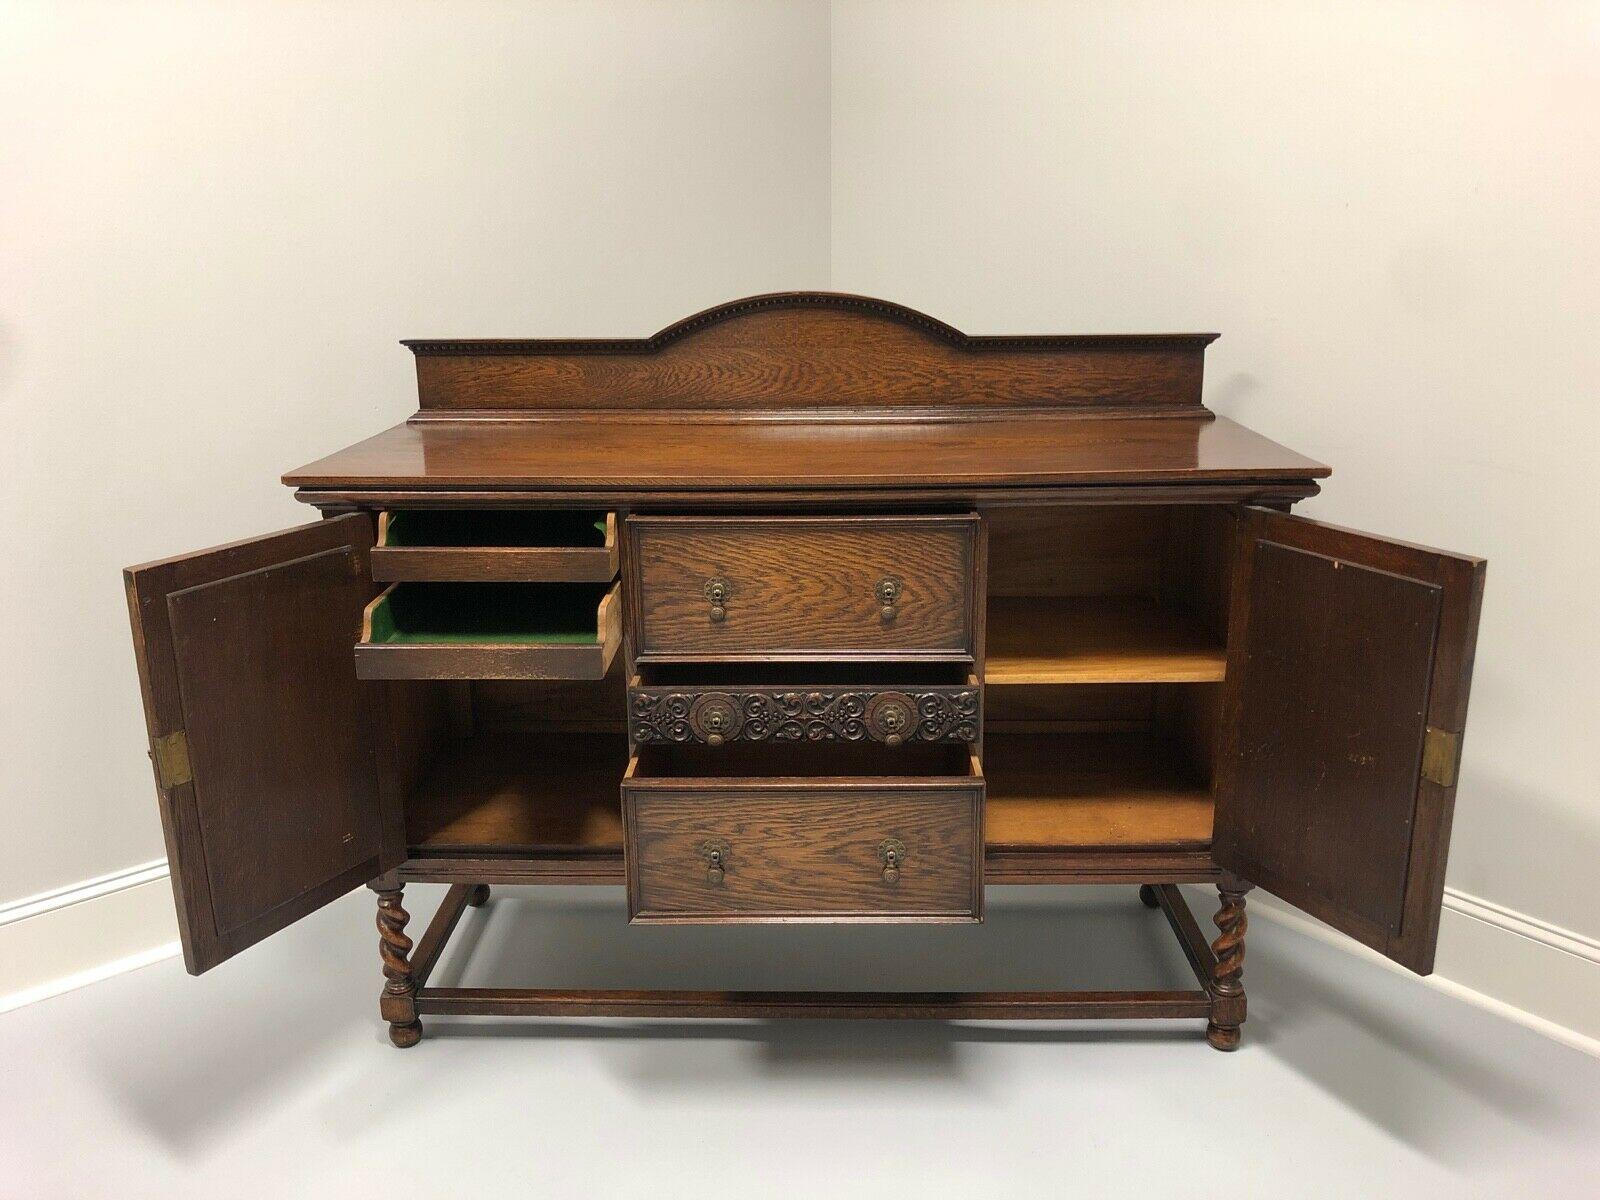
887	593
892	854
891	717
717	592
714	852
715	718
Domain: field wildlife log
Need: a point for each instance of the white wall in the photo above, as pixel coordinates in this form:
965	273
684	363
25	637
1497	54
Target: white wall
1389	210
215	222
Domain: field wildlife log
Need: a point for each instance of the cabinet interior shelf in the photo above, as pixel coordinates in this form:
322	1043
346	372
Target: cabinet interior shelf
518	793
1092	791
522	792
1053	639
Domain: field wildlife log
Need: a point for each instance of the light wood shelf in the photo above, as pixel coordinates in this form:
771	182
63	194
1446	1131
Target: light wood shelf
1092	791
1050	639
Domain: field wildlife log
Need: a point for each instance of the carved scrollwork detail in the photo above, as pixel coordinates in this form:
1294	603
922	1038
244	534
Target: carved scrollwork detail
662	717
948	716
803	715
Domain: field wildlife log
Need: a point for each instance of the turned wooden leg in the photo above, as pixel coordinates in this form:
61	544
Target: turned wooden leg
398	1003
479	896
1227	986
1147	896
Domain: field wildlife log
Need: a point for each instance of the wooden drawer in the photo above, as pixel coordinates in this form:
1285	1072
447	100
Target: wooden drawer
502	545
774	588
723	835
490	631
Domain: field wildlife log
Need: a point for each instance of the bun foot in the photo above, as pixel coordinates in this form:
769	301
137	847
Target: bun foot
1222	1037
406	1035
1147	896
478	896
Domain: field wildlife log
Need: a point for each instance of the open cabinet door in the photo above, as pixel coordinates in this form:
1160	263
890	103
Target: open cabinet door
262	738
1349	660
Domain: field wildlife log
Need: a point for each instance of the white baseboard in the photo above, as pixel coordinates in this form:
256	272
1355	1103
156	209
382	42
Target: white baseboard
1529	971
73	936
1539	975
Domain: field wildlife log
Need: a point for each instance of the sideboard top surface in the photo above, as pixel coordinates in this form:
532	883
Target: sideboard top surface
623	453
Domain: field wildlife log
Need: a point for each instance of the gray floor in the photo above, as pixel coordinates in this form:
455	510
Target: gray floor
271	1075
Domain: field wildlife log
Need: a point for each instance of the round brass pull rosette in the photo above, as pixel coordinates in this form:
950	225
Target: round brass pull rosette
715	718
891	717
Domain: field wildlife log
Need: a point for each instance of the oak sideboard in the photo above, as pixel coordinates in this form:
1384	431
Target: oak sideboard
809	608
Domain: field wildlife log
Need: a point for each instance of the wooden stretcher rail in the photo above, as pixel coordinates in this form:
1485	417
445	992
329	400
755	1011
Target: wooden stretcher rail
775	1005
849	1006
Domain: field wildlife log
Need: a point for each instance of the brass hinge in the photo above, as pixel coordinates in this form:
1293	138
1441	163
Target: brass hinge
1441	755
171	756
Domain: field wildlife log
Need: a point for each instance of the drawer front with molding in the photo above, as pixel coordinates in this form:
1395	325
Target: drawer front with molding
766	588
754	850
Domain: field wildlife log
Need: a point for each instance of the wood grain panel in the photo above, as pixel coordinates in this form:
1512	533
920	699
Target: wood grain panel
1120	705
1197	564
511	704
810	350
417	722
803	587
1321	790
798	853
245	650
1345	650
1095	550
484	662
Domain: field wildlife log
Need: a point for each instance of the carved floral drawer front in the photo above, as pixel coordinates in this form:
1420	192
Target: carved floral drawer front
804	714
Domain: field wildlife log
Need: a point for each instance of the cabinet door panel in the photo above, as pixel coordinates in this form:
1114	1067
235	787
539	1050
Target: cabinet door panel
1349	663
265	748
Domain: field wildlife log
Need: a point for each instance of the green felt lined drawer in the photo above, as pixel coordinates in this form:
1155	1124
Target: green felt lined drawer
490	631
505	545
